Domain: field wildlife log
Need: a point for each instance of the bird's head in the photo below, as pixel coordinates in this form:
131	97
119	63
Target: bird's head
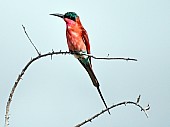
69	17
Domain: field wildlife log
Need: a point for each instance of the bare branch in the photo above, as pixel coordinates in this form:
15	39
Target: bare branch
113	106
104	58
26	67
116	58
30	40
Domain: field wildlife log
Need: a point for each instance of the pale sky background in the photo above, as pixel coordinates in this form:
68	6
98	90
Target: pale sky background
58	92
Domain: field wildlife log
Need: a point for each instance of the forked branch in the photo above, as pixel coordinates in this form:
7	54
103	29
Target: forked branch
26	67
41	56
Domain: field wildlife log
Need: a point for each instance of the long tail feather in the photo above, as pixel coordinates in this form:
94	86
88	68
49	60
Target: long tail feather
98	89
94	80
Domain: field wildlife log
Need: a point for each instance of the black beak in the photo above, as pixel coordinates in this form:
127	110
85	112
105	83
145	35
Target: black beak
57	14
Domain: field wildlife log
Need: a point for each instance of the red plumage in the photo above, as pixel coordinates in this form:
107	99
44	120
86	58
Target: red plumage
78	41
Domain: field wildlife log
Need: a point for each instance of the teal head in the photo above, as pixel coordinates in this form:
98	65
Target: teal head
68	15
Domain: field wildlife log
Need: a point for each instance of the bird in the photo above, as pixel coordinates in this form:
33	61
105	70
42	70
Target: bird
78	44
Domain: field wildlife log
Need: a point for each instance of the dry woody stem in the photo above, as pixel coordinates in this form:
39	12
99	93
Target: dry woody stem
29	63
115	105
57	53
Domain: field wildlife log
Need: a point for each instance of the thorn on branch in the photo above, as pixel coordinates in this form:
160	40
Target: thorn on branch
148	107
52	51
138	99
52	54
125	103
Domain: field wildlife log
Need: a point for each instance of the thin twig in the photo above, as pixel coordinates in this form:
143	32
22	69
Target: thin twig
104	58
30	40
24	70
111	58
113	106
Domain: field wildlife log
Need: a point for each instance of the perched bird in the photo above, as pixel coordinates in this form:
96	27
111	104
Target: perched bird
78	43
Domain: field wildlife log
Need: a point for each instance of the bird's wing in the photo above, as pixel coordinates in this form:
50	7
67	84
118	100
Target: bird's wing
86	41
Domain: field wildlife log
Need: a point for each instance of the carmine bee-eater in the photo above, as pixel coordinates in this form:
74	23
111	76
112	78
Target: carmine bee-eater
78	43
